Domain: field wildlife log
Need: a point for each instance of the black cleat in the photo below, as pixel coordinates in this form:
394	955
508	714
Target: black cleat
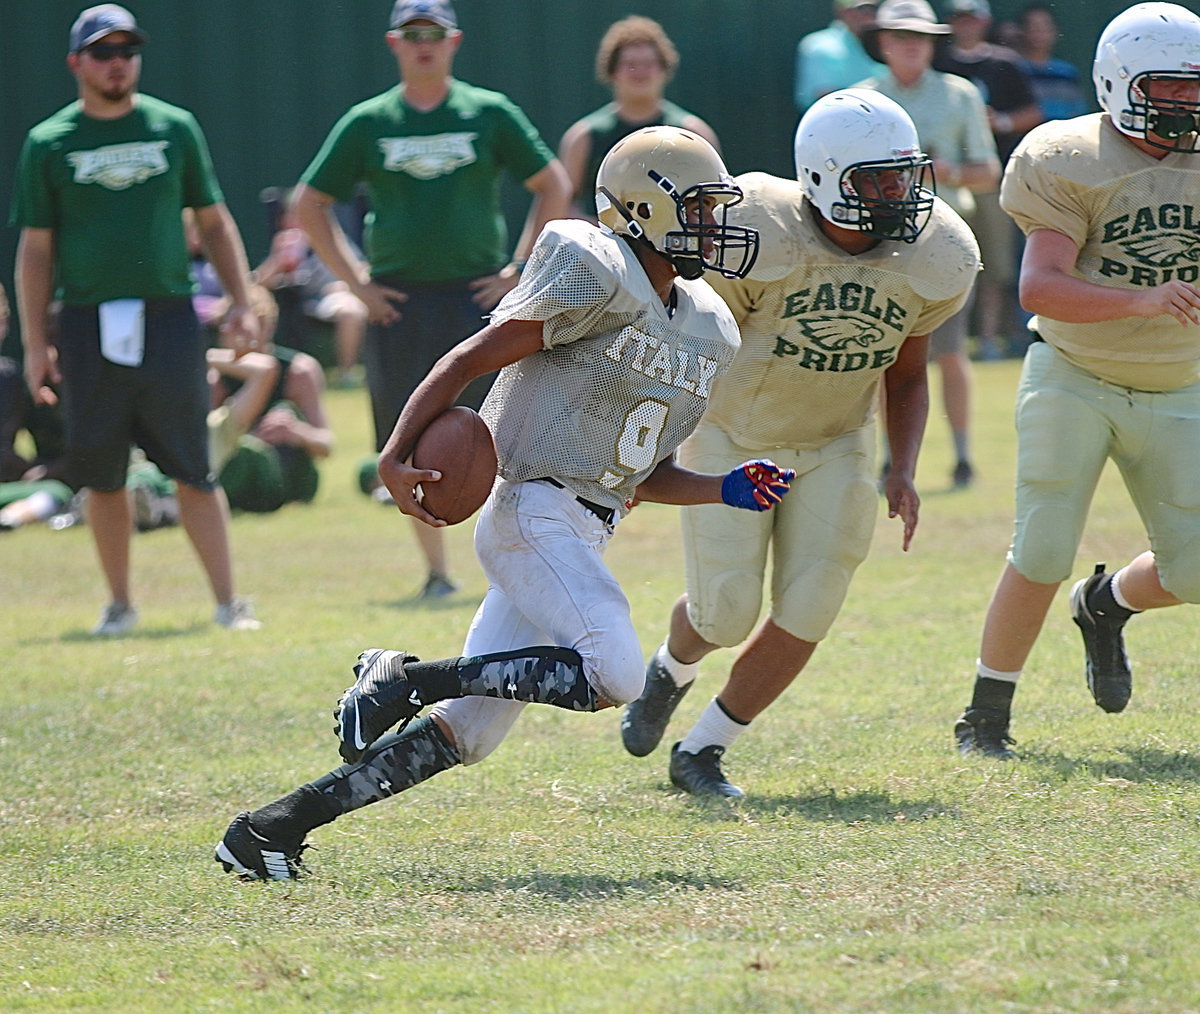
645	720
700	773
1108	675
963	475
380	698
984	731
252	857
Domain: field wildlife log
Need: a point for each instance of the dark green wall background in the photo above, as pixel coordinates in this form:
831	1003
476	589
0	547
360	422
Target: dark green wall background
267	78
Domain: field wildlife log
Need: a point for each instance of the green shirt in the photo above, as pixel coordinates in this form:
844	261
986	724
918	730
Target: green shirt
113	191
433	179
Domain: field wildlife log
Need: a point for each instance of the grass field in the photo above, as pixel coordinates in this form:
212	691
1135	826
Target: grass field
870	869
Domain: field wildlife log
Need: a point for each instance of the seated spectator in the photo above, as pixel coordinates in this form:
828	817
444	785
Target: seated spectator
229	421
293	424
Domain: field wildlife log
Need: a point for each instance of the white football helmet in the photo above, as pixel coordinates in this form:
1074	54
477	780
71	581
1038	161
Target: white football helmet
641	189
1150	40
860	162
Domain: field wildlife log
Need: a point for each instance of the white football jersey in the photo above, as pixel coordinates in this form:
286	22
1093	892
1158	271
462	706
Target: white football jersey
818	325
619	382
1136	221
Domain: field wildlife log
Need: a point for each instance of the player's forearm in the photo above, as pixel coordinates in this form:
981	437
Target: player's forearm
907	412
1073	300
669	483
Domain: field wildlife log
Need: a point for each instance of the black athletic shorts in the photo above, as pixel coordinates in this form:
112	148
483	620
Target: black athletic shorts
436	317
161	405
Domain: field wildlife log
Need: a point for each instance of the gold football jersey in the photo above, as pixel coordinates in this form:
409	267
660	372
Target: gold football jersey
819	326
1136	221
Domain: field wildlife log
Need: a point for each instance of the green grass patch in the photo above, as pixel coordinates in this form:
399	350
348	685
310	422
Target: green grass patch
870	869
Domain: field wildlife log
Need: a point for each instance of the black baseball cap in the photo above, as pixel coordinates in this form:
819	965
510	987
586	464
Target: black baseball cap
105	19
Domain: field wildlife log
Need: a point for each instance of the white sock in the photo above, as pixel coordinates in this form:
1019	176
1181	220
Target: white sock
1116	591
984	673
681	672
714	728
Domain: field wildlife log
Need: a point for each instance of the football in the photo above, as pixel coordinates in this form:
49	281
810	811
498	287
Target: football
459	445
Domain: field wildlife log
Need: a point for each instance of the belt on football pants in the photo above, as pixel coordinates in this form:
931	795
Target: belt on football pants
605	514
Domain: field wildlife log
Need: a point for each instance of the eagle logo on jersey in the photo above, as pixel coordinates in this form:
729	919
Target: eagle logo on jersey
1165	250
120	166
426	158
836	334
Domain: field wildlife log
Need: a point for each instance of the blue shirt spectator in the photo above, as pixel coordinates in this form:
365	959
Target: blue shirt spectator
833	57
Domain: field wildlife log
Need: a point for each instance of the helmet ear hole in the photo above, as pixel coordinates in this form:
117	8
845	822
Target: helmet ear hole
643	210
816	178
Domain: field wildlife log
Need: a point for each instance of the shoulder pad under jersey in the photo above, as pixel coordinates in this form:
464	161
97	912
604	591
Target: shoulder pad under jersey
605	256
944	259
775	207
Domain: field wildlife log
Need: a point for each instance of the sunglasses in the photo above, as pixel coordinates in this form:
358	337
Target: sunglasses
431	33
108	51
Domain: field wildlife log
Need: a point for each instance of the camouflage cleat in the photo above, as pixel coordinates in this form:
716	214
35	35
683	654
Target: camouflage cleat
645	720
984	731
380	698
1108	675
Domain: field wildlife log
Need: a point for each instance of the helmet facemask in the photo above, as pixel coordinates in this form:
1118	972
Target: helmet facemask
869	201
695	246
1164	123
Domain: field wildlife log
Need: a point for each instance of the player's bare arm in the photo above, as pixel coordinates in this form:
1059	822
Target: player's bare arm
907	386
754	485
314	211
551	189
34	284
1050	286
486	351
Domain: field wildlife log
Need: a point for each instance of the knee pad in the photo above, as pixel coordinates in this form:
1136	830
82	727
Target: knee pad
809	605
1044	545
727	609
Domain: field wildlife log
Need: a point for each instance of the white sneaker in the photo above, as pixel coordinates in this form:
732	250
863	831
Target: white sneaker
236	614
118	618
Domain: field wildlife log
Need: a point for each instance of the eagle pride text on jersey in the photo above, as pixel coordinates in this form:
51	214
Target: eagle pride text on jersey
818	325
1135	220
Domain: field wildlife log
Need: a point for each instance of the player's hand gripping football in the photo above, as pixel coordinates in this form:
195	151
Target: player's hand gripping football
402	480
756	485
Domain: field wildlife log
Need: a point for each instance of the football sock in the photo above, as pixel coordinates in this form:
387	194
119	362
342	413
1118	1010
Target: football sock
1114	589
541	675
682	673
395	762
715	727
994	689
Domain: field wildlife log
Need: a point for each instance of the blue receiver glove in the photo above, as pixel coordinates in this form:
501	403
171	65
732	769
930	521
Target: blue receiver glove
756	485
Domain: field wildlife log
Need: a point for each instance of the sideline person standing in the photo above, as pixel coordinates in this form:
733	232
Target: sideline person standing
431	152
1108	204
100	194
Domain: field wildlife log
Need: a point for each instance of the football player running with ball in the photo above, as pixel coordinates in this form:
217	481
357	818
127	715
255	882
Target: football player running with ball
608	347
858	263
1109	205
